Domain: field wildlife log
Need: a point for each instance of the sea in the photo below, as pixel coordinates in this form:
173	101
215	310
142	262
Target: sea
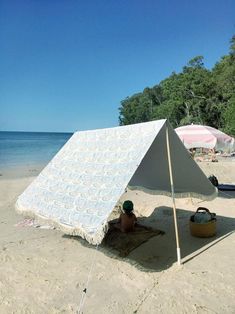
29	149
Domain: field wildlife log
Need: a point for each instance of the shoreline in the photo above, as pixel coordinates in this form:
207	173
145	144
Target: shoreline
21	171
33	169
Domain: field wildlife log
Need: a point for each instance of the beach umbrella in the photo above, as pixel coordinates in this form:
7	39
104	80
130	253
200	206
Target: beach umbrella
194	136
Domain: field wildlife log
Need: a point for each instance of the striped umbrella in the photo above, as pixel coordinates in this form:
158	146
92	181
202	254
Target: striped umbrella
194	136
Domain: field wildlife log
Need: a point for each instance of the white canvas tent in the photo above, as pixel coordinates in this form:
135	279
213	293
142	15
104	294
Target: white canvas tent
80	187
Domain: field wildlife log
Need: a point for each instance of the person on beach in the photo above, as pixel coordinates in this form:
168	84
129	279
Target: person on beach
127	219
192	152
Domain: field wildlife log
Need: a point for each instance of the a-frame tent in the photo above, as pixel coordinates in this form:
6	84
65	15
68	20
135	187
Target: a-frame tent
80	187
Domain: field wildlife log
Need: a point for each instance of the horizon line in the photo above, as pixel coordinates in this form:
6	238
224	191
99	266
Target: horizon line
38	131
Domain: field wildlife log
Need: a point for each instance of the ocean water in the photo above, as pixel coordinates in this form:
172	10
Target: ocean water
19	149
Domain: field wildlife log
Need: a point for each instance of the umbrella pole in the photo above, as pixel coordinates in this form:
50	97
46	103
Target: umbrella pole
173	197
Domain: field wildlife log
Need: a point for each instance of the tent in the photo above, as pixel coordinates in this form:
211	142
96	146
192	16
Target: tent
79	188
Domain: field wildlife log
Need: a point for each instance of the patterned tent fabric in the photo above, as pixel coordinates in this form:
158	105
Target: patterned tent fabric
80	187
194	136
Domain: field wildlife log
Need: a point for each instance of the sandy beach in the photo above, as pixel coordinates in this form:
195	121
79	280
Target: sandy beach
44	271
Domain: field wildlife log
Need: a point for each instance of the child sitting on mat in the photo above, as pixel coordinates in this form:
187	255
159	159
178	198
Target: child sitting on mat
127	219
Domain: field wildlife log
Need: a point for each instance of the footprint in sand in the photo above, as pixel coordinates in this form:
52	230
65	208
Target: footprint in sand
5	258
100	276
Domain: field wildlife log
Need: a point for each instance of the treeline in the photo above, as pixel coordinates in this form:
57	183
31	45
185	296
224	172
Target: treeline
195	95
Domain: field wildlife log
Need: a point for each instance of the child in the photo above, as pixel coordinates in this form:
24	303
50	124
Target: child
127	220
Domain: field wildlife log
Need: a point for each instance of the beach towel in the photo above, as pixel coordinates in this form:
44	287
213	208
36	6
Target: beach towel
125	243
29	222
226	187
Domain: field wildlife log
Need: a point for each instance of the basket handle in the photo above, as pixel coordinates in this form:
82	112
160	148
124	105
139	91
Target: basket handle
204	209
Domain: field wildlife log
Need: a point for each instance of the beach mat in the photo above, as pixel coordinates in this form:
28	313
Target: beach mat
30	222
226	187
125	243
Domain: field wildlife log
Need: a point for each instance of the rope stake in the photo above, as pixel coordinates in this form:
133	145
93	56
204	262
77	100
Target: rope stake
84	291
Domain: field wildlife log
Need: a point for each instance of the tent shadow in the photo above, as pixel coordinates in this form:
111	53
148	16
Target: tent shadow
159	252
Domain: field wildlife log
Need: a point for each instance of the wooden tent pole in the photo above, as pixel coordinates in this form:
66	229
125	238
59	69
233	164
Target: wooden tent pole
173	196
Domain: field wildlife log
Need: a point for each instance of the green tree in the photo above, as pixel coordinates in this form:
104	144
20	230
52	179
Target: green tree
195	95
196	62
229	117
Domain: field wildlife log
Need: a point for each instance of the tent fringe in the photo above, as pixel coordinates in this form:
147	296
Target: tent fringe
177	195
94	239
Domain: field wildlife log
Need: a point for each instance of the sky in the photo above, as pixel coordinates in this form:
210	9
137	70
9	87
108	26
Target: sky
67	65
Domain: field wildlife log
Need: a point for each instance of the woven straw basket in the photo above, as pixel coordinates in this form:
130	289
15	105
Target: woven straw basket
203	230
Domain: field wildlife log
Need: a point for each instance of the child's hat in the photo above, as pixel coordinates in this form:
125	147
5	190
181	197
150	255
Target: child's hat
128	205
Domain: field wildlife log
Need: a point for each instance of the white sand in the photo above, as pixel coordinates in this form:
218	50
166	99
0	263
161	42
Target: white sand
42	271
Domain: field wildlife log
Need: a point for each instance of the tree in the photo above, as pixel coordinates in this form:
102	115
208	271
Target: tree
196	62
229	117
195	95
232	47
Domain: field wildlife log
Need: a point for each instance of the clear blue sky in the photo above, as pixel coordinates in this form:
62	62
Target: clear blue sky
66	65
